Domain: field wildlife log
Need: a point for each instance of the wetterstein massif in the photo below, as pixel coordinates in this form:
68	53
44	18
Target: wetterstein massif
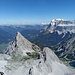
58	30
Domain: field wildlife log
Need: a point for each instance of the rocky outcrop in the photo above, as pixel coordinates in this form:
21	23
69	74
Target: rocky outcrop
21	46
51	66
50	55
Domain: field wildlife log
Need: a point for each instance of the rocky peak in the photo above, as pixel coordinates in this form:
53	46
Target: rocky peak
50	55
56	21
21	41
61	26
53	24
21	46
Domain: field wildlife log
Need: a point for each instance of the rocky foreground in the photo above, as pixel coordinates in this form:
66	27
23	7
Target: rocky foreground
25	58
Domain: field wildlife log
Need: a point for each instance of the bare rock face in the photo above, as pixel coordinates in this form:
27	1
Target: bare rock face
47	62
50	55
50	66
66	49
61	26
20	46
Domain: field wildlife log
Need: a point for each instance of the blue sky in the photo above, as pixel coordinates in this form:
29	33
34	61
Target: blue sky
35	11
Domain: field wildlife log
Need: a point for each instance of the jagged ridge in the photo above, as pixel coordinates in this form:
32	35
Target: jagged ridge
20	46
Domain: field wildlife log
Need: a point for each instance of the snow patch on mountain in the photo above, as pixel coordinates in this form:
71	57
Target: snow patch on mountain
66	25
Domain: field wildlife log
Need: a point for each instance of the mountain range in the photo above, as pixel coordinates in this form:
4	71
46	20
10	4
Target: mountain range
8	32
58	35
57	31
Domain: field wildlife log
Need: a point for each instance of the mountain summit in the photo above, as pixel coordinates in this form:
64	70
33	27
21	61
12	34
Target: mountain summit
61	26
58	30
21	45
